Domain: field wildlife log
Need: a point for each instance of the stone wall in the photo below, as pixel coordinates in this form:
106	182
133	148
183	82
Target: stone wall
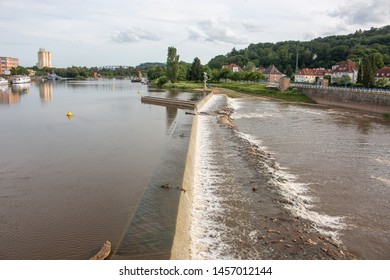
368	100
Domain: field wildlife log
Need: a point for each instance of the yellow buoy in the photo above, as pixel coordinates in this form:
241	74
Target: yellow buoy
69	114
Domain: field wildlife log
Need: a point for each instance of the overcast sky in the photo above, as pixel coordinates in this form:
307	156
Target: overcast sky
126	32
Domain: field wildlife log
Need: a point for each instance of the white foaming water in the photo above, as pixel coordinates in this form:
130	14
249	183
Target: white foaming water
206	240
235	105
299	203
236	116
295	194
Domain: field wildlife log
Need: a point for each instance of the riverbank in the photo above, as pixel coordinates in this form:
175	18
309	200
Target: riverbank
203	232
261	90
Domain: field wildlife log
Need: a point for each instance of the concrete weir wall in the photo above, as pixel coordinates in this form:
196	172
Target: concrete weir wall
181	242
367	100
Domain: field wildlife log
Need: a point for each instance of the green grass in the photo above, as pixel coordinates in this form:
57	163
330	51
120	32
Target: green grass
184	85
291	95
386	115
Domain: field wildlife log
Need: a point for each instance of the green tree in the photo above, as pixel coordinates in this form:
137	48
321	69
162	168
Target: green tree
20	70
172	64
345	79
360	73
382	82
225	74
217	62
368	73
289	71
196	73
376	61
156	72
183	70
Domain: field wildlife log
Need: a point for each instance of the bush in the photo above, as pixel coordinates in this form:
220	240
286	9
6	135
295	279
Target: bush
162	81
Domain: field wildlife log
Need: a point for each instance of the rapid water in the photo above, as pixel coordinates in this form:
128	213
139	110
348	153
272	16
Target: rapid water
327	168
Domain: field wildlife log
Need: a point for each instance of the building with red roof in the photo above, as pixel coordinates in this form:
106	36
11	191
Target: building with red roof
347	68
383	73
307	75
232	66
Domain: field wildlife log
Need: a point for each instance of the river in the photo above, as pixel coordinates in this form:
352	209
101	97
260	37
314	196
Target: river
69	184
289	182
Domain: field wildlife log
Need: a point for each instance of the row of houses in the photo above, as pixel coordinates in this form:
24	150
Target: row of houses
347	68
306	75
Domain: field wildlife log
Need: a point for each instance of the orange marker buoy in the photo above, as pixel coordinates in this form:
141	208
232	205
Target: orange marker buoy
69	114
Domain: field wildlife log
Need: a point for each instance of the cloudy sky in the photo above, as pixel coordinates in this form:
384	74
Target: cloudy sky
126	32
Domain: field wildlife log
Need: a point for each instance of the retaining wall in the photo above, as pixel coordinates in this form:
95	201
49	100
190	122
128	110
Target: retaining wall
369	100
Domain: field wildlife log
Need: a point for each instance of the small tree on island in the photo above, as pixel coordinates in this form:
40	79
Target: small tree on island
172	64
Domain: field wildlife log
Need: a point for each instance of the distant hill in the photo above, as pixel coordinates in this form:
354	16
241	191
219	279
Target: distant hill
146	65
319	52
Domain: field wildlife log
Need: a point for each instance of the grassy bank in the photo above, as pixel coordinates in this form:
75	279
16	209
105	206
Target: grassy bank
183	85
291	95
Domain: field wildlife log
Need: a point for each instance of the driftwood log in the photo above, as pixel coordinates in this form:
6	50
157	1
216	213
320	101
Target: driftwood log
104	252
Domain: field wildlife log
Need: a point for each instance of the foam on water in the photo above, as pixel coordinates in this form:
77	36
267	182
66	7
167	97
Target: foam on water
211	235
295	193
206	241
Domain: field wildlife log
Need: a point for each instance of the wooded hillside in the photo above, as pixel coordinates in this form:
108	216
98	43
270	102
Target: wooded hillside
320	52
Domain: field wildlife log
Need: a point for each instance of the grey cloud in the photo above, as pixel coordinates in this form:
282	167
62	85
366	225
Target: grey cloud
376	11
133	35
195	34
252	26
214	31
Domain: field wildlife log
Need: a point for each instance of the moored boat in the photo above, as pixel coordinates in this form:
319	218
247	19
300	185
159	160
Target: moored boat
53	77
20	79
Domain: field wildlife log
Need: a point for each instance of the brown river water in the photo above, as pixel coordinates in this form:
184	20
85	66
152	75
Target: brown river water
289	177
68	185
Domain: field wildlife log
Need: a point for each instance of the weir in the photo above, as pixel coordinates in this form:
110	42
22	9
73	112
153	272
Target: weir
152	230
181	241
185	104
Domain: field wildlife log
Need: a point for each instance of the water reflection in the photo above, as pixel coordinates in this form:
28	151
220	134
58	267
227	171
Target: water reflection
7	97
11	95
21	88
171	116
46	92
106	85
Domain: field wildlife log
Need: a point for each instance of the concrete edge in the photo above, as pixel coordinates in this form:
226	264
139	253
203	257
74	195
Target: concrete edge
182	239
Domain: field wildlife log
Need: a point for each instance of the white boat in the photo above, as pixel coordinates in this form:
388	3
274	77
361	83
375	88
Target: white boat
20	79
3	82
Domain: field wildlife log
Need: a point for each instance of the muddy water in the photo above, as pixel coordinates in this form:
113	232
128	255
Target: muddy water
291	182
67	185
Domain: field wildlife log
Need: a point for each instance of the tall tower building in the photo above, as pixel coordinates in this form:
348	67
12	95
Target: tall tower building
44	58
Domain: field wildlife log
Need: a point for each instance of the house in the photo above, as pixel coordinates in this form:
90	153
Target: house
6	63
272	74
307	75
347	68
383	73
232	66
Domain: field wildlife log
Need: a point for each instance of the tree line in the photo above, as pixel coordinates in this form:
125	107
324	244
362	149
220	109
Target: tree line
320	52
369	49
176	70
